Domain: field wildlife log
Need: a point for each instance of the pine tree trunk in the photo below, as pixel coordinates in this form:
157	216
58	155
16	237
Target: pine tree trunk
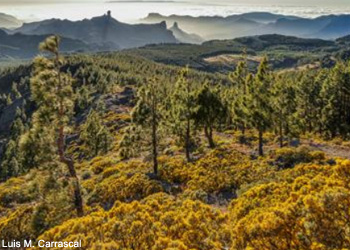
310	126
261	152
187	140
78	200
208	131
243	129
281	134
243	138
286	130
154	143
97	146
211	142
281	129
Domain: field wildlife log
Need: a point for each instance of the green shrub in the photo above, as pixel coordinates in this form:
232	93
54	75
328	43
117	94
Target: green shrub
289	157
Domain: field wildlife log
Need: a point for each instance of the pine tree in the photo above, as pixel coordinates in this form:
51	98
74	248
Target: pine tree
53	93
95	135
9	165
127	149
17	128
182	109
2	103
260	102
8	100
84	98
284	107
37	146
309	101
102	86
15	91
147	114
210	111
101	105
335	94
11	162
238	93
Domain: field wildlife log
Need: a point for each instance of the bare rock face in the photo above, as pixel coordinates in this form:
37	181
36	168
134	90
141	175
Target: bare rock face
184	37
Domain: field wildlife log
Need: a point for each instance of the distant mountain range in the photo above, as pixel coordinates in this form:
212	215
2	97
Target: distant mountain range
9	22
250	24
103	32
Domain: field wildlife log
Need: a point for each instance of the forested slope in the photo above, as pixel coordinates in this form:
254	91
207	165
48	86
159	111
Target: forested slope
124	153
284	52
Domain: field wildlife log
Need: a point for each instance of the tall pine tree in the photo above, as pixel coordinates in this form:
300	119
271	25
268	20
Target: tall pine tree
182	109
238	94
148	115
284	107
53	93
210	111
335	94
260	102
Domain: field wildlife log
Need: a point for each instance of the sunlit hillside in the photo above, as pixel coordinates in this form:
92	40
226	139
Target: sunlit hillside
120	150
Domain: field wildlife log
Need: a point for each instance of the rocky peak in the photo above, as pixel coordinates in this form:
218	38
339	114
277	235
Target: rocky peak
176	25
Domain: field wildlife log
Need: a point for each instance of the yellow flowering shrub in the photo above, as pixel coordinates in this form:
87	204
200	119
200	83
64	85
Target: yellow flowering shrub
32	203
222	169
99	163
157	222
15	190
185	207
17	224
307	208
125	181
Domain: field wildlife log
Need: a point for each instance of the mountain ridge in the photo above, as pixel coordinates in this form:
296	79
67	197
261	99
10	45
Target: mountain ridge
259	23
21	46
104	32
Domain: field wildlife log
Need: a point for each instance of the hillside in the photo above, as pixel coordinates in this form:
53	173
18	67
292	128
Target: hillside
19	46
285	52
103	33
134	150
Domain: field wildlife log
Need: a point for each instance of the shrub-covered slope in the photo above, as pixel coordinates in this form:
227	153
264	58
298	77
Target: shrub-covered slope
171	158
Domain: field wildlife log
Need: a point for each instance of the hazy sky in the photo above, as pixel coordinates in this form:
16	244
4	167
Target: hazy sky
268	2
131	11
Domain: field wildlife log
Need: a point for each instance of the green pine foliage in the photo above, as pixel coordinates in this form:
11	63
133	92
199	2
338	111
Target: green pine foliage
238	95
150	156
12	163
260	102
95	136
148	116
182	107
336	106
210	112
53	93
284	105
